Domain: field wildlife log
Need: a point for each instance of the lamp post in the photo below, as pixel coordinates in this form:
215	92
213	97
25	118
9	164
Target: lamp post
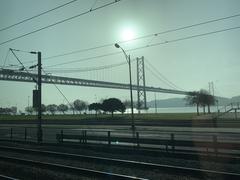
130	79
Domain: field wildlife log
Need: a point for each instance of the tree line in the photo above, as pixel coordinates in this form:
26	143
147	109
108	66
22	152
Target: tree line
78	106
7	110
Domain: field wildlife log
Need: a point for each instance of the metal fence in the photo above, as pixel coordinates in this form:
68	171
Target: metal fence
167	141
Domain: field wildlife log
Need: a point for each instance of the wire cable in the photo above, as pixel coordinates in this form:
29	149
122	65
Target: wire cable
161	75
185	38
160	79
88	69
146	36
85	59
94	3
148	46
24	68
35	16
79	51
5	60
59	90
60	22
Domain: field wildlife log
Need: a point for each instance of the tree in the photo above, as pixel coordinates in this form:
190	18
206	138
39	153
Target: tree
122	108
72	108
206	99
193	99
200	98
29	109
112	105
43	108
6	111
95	106
211	101
80	105
52	108
62	108
13	110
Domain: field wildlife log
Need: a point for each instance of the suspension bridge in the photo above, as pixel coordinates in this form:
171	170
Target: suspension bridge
10	75
140	87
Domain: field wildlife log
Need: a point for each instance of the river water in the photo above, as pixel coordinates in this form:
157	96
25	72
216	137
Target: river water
175	110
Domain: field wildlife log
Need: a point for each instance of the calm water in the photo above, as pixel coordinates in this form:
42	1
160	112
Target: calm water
164	110
178	110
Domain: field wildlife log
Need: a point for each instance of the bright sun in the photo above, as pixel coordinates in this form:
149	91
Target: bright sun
128	34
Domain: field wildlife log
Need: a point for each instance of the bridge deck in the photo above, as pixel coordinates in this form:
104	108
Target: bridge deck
11	75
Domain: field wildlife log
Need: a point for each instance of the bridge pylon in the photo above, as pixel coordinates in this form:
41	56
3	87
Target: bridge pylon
141	90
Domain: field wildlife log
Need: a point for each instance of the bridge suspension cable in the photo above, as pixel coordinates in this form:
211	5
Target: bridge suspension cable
87	69
160	76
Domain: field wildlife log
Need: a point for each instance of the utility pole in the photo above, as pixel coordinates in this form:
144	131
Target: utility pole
37	94
39	82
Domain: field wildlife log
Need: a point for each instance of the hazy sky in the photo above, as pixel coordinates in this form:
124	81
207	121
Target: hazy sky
190	64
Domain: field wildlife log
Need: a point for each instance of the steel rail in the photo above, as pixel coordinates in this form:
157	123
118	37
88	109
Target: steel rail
163	167
66	168
7	177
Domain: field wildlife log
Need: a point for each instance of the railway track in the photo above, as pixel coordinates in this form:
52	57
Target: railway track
3	177
148	123
177	170
69	169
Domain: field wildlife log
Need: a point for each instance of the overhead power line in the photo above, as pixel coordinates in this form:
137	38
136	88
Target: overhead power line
148	46
35	16
146	36
60	22
5	60
185	38
23	67
85	59
81	50
59	90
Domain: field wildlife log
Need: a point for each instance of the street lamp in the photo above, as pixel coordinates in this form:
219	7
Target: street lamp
130	78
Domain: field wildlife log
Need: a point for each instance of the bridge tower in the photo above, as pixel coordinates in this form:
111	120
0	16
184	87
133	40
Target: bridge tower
141	91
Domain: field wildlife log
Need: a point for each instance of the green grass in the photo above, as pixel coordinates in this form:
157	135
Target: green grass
153	116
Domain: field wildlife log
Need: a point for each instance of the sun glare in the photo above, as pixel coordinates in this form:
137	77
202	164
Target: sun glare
128	34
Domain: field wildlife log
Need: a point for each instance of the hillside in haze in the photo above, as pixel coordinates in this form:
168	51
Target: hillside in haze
181	102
